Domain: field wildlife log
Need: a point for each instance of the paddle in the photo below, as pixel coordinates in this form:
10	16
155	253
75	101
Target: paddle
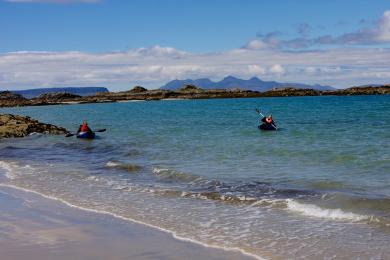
258	111
97	131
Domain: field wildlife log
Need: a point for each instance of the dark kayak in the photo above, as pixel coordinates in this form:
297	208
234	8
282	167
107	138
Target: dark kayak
266	127
86	135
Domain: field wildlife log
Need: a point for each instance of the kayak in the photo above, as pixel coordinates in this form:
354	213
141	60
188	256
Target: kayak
86	135
266	127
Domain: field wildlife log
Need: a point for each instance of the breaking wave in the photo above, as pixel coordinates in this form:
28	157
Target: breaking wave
123	166
315	211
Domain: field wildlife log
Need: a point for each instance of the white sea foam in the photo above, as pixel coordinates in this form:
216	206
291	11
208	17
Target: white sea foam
268	202
173	233
12	170
112	164
8	169
26	169
246	198
157	170
92	178
315	211
35	133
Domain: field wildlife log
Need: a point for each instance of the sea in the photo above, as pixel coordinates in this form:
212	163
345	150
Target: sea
317	188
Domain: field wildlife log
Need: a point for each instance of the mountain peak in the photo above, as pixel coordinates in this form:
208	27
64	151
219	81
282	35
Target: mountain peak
230	82
255	79
229	78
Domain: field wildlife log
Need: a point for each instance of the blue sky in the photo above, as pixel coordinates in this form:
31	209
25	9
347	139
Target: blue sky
119	43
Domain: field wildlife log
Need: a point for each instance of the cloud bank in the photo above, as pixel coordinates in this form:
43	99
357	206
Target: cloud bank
152	67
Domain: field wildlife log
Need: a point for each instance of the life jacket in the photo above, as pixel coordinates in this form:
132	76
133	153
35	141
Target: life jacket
84	128
269	120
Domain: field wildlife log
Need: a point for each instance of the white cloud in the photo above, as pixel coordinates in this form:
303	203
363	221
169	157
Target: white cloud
277	69
330	70
255	70
256	44
383	33
160	51
311	70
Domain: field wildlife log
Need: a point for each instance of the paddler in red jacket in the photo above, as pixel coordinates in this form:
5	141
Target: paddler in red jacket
84	128
268	120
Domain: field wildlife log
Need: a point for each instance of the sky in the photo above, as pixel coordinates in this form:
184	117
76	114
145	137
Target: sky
119	44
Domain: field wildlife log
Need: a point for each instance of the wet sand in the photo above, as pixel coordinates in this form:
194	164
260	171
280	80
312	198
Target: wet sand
36	228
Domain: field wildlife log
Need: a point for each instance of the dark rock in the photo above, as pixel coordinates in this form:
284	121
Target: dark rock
56	97
20	126
138	89
8	95
190	88
366	90
9	99
287	92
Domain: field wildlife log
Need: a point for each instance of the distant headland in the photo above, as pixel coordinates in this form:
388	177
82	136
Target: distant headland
82	91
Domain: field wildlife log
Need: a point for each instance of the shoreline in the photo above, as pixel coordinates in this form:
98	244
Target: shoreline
45	205
8	99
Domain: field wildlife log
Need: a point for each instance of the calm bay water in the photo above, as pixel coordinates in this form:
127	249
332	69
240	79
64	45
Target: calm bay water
319	187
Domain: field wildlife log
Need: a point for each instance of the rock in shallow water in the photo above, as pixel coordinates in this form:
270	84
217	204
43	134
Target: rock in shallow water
20	126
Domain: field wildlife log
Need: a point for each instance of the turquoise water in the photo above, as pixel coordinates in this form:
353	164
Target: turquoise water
202	170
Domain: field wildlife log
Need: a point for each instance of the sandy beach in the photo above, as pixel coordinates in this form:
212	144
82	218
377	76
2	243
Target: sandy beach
33	227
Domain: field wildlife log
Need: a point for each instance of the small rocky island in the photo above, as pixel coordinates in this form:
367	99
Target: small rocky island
10	99
20	126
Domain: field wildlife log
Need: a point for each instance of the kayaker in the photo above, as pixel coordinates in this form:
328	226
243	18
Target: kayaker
268	123
84	128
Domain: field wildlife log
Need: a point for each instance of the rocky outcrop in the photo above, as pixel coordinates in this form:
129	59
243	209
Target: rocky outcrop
9	99
190	88
288	92
186	92
56	97
20	126
138	89
368	90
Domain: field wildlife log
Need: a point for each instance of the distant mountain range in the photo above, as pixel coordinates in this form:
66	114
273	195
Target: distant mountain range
82	91
230	82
